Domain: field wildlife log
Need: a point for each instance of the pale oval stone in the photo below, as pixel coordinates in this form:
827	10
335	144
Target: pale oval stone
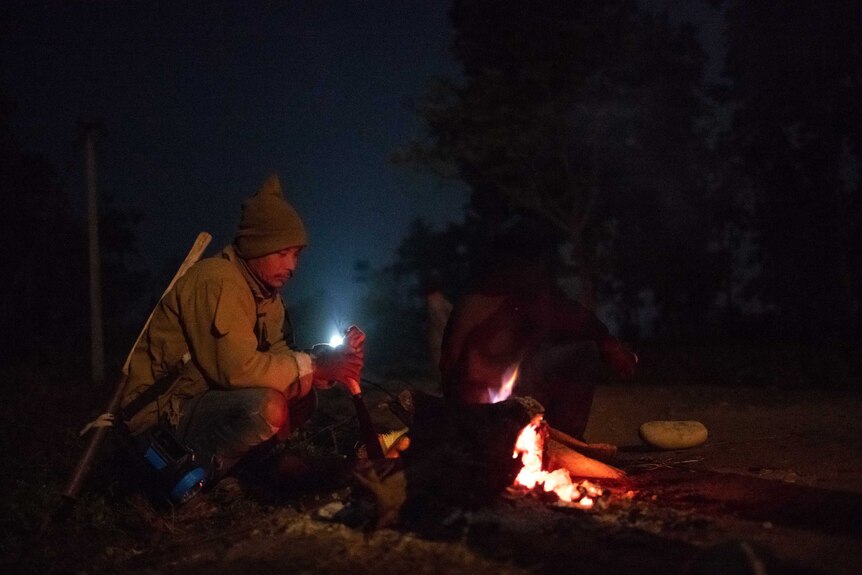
673	434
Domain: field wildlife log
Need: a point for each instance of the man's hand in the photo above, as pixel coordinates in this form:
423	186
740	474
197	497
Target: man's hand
343	363
619	357
355	339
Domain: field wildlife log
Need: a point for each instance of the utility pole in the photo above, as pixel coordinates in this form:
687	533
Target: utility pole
91	131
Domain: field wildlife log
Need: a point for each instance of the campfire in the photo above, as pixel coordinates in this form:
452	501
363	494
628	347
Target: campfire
467	455
530	446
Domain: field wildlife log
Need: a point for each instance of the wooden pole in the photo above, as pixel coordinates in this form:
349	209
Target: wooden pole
97	343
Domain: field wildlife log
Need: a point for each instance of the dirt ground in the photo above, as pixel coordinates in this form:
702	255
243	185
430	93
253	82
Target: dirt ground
777	488
781	469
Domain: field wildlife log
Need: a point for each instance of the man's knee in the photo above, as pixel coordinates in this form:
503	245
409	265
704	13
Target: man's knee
273	408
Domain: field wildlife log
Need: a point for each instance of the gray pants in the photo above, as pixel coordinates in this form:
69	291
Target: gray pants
224	425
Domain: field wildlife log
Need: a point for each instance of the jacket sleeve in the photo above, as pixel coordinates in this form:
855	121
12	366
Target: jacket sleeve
219	318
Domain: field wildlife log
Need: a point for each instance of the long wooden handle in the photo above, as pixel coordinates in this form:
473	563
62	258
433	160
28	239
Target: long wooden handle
82	469
373	449
195	253
73	487
366	428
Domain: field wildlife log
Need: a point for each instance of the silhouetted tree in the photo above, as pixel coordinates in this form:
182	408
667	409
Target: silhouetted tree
796	83
584	115
429	258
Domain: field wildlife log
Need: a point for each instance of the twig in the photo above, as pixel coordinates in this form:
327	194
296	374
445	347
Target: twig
667	464
380	387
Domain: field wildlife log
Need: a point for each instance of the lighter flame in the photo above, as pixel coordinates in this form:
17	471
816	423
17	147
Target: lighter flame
507	384
530	446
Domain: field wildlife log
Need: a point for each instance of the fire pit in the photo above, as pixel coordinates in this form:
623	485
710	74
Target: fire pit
467	456
530	446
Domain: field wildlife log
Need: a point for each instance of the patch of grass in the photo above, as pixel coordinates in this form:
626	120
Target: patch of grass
39	418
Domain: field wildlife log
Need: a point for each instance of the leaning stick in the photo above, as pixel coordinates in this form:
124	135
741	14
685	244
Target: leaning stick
366	428
73	487
603	451
201	243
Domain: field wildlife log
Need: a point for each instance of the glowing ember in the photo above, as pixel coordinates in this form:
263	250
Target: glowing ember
510	376
530	446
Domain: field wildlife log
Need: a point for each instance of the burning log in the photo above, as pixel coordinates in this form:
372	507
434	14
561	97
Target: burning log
466	455
561	456
554	479
460	456
600	451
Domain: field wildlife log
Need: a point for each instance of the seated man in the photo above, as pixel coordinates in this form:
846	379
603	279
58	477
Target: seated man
515	327
216	365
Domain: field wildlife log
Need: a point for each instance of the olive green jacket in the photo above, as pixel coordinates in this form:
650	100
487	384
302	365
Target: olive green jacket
217	328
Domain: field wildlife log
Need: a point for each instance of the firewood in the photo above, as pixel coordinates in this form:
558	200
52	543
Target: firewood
460	456
558	455
600	451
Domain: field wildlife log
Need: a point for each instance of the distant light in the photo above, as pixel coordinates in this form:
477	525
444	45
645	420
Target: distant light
336	340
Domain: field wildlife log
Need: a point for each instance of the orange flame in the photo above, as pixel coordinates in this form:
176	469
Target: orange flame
530	446
507	384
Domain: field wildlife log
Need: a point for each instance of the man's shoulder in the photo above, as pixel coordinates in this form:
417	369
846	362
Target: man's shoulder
214	269
216	264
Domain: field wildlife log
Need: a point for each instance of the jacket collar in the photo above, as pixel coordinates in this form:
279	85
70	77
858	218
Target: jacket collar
258	289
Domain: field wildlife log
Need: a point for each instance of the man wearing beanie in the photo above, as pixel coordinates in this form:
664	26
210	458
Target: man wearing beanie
216	365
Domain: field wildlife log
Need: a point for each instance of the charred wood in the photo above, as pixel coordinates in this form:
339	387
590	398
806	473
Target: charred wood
461	455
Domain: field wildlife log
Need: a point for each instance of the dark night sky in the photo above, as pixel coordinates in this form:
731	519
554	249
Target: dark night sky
201	100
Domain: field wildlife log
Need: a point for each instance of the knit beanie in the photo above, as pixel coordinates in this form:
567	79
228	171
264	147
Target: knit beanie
268	223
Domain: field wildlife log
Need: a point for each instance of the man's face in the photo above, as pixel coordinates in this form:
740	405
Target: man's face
275	269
